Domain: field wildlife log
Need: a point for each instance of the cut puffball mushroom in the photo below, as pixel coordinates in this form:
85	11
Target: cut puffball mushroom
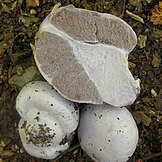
84	55
107	133
48	121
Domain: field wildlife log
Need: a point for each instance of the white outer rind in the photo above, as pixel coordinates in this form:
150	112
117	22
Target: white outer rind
107	61
107	133
39	104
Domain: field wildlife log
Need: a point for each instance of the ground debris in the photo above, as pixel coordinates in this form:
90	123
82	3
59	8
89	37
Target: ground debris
156	17
156	60
141	117
142	41
32	3
18	26
135	17
7	39
27	76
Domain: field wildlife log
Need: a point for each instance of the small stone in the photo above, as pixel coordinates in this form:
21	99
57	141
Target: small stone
142	41
153	93
156	61
21	150
2	144
33	12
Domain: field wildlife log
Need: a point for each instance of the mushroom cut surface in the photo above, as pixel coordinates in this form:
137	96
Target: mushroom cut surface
84	55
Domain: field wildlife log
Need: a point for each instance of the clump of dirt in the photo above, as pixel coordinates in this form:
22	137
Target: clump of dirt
19	22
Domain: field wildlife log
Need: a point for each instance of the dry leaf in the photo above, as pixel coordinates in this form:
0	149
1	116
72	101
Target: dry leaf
156	12
32	3
141	117
5	7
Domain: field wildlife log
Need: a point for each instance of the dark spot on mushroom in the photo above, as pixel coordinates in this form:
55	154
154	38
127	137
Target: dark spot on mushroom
23	126
119	131
36	90
95	114
118	118
32	82
41	137
76	107
64	140
37	118
43	90
51	104
29	98
109	140
55	123
100	116
100	149
38	113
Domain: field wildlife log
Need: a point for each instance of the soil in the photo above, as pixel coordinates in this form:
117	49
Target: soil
19	22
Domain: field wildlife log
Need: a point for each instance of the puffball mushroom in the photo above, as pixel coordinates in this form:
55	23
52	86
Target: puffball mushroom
84	55
107	133
48	121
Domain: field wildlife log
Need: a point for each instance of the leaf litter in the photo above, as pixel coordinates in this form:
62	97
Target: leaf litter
20	21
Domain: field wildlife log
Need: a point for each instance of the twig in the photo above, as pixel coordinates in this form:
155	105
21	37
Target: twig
134	16
151	156
123	10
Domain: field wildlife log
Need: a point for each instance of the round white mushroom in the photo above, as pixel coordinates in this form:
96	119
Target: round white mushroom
84	55
107	133
48	121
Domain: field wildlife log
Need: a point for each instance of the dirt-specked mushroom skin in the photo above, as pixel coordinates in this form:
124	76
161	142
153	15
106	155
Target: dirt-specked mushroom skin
107	133
48	121
84	55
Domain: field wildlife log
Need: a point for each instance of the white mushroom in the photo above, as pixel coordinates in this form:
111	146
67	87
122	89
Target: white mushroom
107	133
84	55
48	121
